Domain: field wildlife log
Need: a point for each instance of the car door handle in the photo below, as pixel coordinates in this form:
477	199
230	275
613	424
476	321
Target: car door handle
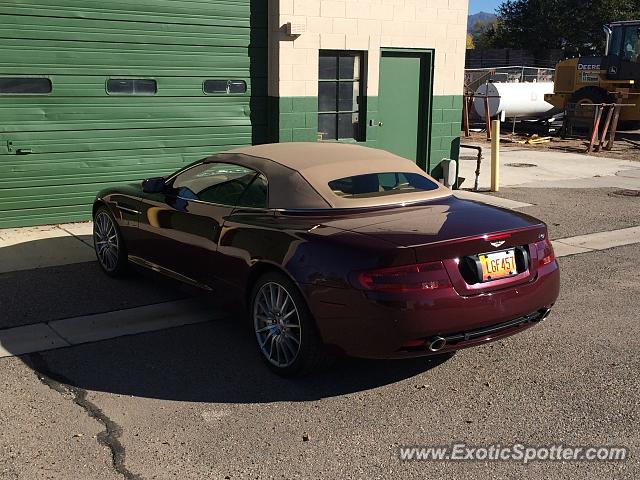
23	151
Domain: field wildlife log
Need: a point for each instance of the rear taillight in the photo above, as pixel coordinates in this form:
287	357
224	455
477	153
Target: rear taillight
408	278
545	252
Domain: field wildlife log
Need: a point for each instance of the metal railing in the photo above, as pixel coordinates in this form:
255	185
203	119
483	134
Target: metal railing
474	77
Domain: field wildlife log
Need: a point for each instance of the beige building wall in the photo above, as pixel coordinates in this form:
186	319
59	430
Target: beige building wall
365	25
369	26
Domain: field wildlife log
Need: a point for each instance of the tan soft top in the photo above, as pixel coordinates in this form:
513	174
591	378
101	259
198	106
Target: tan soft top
299	173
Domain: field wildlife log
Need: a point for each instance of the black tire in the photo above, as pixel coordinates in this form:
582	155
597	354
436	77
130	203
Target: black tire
598	95
311	354
112	266
591	95
586	114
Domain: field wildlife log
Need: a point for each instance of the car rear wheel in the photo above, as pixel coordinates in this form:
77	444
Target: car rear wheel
284	329
108	243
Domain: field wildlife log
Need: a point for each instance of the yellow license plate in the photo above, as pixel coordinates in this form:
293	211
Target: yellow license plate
498	265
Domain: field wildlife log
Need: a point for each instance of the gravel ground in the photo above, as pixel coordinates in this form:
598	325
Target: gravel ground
621	149
577	211
44	433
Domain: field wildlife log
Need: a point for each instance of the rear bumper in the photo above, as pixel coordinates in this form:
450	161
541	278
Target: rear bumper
403	325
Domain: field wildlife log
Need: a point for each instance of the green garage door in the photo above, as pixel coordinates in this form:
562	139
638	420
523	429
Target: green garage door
96	93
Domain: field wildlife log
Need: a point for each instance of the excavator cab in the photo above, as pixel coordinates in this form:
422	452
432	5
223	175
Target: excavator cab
623	51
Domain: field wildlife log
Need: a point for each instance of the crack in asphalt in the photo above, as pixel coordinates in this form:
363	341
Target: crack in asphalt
109	436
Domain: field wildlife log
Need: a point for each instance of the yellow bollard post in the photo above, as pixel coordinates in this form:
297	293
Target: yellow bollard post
495	155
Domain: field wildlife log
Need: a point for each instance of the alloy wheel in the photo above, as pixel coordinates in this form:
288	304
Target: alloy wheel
277	326
106	242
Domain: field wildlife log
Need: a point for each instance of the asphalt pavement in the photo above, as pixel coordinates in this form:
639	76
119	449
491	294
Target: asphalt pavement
196	401
579	211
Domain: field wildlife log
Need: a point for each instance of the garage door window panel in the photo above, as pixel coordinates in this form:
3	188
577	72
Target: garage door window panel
224	87
131	86
25	86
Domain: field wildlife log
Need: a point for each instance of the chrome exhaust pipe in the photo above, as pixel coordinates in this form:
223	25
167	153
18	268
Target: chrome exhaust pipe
437	344
544	315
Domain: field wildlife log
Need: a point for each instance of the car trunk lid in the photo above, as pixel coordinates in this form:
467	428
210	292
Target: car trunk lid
451	229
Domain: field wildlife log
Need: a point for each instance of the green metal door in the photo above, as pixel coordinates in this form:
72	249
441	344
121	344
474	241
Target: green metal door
58	148
404	103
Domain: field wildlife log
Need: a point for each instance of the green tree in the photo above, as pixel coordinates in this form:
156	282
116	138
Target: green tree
490	38
571	25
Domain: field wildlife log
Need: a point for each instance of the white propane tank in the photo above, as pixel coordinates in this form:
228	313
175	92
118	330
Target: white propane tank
517	99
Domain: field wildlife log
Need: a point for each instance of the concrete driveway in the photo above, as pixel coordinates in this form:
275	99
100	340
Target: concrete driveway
527	167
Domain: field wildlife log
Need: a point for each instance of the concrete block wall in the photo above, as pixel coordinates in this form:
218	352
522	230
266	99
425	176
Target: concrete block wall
366	25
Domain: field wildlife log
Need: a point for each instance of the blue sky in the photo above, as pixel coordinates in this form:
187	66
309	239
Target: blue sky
476	6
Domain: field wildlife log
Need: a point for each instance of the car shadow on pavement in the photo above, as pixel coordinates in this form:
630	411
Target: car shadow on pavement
210	362
216	361
55	292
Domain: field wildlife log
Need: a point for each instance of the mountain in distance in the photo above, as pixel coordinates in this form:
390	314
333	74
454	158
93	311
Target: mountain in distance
483	17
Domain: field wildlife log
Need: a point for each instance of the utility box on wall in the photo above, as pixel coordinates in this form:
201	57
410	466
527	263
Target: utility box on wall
295	29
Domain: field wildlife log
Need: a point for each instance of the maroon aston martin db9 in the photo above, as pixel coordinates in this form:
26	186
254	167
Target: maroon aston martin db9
335	249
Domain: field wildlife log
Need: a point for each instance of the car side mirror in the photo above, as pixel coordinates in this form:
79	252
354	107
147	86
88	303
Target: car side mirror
154	185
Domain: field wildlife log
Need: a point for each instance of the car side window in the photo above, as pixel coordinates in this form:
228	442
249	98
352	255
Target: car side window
256	194
220	183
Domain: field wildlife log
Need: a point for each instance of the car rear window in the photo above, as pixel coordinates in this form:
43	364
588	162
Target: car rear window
380	184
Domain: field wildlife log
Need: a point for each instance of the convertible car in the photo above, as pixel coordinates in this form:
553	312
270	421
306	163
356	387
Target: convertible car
335	249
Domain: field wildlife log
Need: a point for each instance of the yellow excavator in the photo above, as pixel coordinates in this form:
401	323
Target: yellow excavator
614	77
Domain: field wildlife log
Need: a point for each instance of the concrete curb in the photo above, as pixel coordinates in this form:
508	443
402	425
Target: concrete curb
489	199
103	326
149	318
49	246
600	240
29	338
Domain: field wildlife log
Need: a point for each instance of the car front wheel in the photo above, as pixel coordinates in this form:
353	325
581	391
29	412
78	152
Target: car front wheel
285	331
108	243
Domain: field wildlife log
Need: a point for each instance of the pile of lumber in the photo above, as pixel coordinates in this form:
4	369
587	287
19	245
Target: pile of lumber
534	140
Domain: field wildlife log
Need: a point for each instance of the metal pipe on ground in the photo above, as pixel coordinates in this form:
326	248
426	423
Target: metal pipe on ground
478	162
